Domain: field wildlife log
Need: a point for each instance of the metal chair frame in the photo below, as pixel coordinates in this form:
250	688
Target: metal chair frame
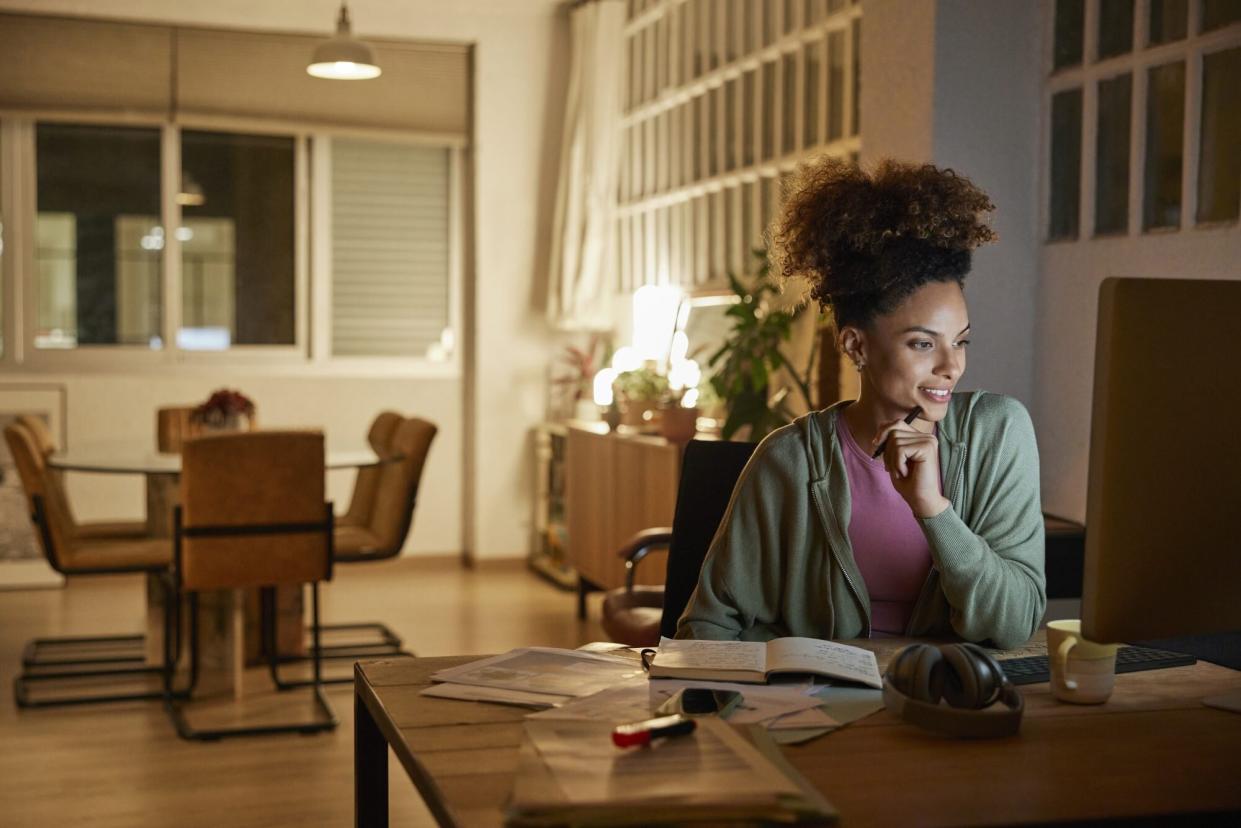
268	620
37	669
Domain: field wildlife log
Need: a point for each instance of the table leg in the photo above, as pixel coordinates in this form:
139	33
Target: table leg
370	769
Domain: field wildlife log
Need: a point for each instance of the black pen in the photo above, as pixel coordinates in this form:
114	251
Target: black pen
909	418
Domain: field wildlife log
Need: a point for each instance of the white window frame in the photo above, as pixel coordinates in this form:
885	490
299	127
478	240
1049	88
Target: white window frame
1138	61
681	255
310	353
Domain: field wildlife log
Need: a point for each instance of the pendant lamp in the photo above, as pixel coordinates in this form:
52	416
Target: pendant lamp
344	57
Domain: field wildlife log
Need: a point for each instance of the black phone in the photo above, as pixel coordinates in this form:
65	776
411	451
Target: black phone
697	701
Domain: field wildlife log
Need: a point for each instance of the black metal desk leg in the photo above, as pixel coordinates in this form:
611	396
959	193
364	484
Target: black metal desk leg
370	769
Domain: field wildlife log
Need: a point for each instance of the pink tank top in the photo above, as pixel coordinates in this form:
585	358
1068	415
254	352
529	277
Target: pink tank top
888	544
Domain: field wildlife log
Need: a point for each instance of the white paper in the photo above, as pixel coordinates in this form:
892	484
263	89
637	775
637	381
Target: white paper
811	717
714	763
817	655
545	670
759	703
496	695
716	656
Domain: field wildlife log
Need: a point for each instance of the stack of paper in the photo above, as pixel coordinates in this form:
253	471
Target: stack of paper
535	677
569	772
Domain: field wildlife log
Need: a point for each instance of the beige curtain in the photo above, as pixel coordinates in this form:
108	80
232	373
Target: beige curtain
583	252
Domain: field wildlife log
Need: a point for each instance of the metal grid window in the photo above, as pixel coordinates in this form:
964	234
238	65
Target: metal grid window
1143	134
725	98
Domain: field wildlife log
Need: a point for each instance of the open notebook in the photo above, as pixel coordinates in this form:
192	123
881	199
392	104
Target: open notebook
755	662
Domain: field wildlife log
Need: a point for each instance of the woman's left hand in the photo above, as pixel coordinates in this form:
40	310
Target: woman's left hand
912	460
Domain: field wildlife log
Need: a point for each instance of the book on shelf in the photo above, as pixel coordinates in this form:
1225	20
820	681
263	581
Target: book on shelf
755	662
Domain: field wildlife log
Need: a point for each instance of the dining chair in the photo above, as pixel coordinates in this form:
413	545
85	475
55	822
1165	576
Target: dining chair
380	516
72	552
252	514
173	426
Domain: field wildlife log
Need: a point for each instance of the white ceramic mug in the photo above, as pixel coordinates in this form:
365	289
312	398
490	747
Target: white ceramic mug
1082	671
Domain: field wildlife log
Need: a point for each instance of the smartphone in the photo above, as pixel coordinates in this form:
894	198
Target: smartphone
696	701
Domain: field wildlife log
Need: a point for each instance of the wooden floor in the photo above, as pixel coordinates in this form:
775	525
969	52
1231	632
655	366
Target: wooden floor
123	765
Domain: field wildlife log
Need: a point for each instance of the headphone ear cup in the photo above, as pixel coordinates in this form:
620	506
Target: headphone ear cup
973	678
917	671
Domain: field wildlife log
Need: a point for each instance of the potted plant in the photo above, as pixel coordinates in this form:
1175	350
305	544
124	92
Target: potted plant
744	367
638	393
223	411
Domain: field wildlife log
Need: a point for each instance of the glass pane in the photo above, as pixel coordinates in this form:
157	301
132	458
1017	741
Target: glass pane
711	32
1112	156
769	21
98	237
237	277
856	43
836	85
1168	20
1070	23
769	110
749	28
715	263
790	15
1219	153
1165	129
732	30
730	125
811	93
789	114
697	105
661	152
766	200
1115	27
1066	164
812	12
713	127
731	246
1219	13
748	80
689	149
749	232
1	250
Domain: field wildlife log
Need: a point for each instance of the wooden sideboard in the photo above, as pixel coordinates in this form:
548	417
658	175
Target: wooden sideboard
616	484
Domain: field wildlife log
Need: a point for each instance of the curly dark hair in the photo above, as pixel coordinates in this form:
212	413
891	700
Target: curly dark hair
866	241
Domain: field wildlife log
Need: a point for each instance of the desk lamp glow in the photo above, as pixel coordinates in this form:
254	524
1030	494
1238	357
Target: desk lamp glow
344	57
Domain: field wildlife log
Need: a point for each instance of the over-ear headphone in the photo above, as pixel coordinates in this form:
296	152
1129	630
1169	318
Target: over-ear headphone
966	677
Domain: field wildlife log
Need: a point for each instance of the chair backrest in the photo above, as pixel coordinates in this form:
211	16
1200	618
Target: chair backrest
252	511
397	490
49	508
709	471
362	503
39	430
173	426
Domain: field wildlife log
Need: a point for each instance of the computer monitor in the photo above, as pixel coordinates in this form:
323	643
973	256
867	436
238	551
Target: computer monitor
1163	507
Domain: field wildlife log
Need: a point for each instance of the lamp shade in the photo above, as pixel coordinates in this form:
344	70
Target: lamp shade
344	57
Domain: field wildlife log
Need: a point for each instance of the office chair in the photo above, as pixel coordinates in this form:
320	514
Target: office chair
70	551
638	616
252	514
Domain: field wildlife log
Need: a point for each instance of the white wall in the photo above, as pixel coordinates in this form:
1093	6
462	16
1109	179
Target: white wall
944	83
520	49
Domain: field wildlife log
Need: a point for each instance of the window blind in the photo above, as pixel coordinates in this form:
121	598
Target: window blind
390	248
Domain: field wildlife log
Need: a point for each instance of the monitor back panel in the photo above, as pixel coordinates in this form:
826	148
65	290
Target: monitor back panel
1163	512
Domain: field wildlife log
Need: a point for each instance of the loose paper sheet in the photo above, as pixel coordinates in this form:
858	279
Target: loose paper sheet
546	670
496	695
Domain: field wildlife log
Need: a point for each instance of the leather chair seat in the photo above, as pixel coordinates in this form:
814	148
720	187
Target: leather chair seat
632	618
111	529
116	555
355	542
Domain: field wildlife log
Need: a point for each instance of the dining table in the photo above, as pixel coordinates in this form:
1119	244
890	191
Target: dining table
229	620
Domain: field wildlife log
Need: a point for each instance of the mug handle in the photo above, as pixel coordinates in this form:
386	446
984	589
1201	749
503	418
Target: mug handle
1061	657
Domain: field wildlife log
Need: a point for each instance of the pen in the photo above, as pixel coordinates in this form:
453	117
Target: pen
641	733
909	418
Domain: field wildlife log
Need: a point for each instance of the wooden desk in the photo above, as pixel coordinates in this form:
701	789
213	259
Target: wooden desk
1153	749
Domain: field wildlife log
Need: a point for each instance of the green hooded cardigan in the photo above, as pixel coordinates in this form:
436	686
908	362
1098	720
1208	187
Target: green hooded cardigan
781	563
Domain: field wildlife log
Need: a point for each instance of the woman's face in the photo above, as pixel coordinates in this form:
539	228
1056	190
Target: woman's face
914	355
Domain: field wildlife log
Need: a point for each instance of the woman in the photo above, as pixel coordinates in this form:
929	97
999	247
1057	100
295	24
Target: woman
942	534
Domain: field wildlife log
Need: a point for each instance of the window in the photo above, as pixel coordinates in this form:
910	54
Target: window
237	240
1146	107
1165	119
763	86
1219	170
98	236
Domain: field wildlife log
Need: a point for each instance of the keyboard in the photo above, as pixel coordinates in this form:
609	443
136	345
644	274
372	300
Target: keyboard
1129	659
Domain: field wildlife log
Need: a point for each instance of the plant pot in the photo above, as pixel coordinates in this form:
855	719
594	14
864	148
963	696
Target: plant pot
678	425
